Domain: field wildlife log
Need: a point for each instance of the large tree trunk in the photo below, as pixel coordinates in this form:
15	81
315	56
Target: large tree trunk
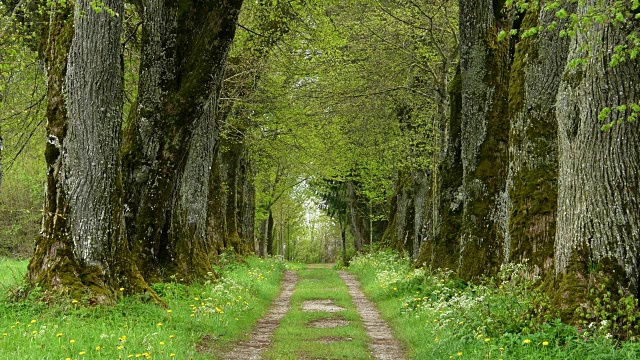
484	68
82	248
533	166
185	45
441	249
598	209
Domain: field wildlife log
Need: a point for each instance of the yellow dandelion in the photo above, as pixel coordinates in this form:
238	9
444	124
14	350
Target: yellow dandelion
159	324
172	355
82	352
527	341
33	321
121	289
98	348
460	353
71	341
34	332
161	342
501	349
59	334
120	347
545	343
171	336
5	334
487	339
74	301
169	311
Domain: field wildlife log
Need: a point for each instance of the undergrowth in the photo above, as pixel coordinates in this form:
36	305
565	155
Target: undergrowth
505	317
200	318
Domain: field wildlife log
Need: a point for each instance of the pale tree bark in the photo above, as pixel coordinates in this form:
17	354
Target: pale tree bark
598	209
484	69
184	48
536	72
82	248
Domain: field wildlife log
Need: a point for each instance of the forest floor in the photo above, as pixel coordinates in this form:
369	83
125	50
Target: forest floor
321	313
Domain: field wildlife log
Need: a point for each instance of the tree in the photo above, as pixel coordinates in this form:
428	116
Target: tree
83	247
598	214
169	139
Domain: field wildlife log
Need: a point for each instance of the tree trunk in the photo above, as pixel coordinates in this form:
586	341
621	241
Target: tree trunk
442	247
598	210
184	47
533	168
270	233
82	249
484	68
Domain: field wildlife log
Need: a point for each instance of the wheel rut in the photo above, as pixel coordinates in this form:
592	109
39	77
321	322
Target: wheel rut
260	338
383	345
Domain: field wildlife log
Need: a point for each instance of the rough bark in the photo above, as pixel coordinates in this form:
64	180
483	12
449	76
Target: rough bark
484	65
598	181
441	249
533	169
358	221
82	248
184	47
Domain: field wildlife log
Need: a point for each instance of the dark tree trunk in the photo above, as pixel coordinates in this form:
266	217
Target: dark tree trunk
269	234
533	166
82	249
485	130
184	47
598	182
442	247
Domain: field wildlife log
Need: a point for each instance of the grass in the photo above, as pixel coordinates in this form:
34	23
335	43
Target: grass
294	339
441	318
201	318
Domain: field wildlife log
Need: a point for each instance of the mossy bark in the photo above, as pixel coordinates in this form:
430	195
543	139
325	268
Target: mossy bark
484	69
82	249
184	47
441	247
533	169
598	182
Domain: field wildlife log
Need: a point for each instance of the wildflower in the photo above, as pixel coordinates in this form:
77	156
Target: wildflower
487	339
527	341
59	334
71	341
161	342
120	347
74	301
34	332
121	289
171	336
5	334
159	324
395	289
82	352
172	355
460	353
545	343
122	338
501	349
98	348
169	311
33	321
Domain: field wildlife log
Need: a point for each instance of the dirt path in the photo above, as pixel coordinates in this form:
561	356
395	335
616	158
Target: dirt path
383	345
260	338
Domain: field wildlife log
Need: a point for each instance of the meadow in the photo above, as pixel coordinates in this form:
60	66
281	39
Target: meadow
505	317
199	320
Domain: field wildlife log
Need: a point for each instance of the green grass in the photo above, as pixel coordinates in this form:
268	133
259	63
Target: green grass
441	318
202	318
294	339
